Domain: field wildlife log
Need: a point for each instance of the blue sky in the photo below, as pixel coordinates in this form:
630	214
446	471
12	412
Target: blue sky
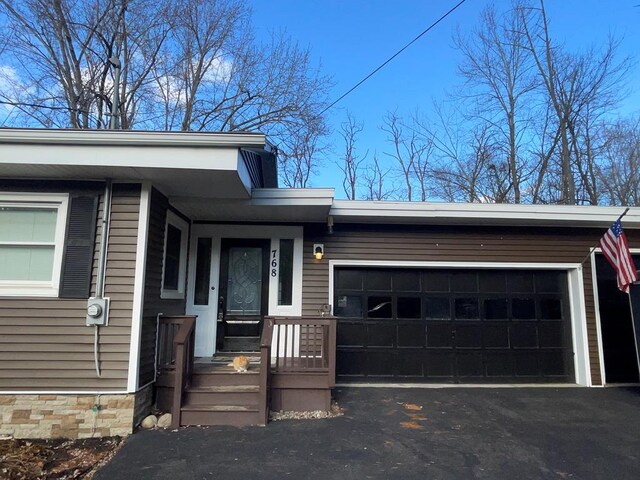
352	37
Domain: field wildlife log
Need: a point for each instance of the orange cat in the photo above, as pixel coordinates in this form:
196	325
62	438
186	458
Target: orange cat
240	364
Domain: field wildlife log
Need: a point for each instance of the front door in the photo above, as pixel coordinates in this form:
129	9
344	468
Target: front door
243	296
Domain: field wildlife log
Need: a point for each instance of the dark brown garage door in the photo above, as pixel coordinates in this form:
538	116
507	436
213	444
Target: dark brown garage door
464	326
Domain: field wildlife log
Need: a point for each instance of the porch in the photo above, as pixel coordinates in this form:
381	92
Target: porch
294	370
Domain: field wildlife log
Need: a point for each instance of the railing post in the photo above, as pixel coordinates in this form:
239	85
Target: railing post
331	353
178	381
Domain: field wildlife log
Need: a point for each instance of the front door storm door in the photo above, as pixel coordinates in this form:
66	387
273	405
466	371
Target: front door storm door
243	298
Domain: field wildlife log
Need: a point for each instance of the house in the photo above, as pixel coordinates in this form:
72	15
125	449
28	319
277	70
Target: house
204	256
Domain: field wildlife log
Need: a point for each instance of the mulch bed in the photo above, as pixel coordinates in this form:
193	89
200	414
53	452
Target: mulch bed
56	458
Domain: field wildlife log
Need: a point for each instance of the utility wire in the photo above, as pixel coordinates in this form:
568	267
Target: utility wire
424	32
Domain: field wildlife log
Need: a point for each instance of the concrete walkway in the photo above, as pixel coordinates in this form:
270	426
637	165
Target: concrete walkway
456	433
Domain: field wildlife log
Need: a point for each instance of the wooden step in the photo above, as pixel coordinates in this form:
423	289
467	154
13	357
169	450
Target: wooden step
220	378
241	344
222	395
234	415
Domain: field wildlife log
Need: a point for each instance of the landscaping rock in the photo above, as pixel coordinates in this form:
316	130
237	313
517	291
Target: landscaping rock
164	421
149	422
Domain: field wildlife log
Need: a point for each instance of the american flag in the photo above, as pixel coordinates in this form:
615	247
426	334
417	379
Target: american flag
616	250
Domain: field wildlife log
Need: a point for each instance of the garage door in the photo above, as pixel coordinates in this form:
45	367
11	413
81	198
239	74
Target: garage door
462	326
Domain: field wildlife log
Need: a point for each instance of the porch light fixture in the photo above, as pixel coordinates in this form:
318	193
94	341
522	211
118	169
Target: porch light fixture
318	250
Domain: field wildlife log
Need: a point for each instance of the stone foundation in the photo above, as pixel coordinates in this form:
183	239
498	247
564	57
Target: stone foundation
71	416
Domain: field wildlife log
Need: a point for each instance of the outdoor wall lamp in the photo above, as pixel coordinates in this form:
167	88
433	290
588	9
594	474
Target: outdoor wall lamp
318	250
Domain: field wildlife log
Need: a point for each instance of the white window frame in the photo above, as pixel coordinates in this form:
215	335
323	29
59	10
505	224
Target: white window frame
182	225
15	288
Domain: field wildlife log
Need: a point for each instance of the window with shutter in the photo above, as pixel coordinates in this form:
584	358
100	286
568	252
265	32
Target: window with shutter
32	232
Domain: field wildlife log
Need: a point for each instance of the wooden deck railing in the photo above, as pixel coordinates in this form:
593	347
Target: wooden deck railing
265	370
176	341
304	345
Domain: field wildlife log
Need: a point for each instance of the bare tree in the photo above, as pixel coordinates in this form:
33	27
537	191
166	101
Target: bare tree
375	181
186	65
620	170
498	77
351	161
299	160
411	152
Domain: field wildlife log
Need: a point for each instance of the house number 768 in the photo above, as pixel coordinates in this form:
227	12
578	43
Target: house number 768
274	263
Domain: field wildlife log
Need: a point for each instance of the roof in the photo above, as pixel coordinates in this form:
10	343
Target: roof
210	165
440	213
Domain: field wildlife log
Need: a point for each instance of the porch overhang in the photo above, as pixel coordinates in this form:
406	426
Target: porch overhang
265	205
205	165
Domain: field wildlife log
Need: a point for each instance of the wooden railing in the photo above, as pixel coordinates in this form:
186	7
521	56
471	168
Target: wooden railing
303	345
176	341
265	370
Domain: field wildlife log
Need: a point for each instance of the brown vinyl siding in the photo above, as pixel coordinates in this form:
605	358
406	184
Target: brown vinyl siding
153	304
44	343
452	244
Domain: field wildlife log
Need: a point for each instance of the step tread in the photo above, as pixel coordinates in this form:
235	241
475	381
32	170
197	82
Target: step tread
224	370
219	408
225	389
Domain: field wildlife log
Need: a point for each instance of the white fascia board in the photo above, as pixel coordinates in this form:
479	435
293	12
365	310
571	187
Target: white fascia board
156	157
131	138
293	196
487	214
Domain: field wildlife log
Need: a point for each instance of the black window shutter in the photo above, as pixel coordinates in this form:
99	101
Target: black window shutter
77	260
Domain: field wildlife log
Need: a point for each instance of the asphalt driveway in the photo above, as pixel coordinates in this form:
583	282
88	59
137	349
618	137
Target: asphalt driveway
456	433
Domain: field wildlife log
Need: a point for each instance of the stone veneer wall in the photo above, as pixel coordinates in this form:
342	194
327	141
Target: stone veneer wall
71	416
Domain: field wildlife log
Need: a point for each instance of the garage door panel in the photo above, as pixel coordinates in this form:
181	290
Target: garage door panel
495	336
440	335
526	364
410	363
553	335
470	364
351	334
524	335
411	334
440	364
352	363
437	325
381	364
468	336
381	334
499	364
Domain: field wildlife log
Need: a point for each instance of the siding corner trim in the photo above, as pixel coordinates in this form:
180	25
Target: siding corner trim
138	293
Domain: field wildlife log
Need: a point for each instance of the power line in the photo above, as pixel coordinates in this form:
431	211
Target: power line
425	31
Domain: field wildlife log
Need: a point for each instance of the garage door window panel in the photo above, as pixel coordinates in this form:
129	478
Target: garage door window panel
349	306
466	308
495	308
550	308
409	307
379	307
437	308
349	280
523	308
